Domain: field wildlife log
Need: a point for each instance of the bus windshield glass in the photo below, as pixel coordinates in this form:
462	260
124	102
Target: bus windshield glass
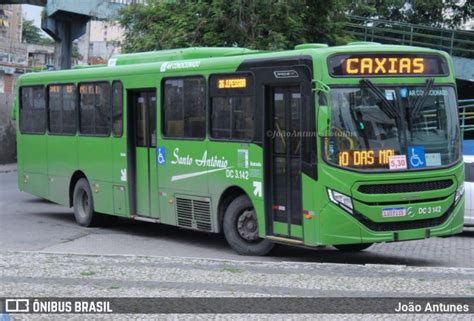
393	128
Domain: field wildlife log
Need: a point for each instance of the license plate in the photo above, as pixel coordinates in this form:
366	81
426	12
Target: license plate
394	212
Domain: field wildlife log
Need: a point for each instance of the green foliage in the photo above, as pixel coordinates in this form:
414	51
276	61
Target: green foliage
436	13
270	24
75	51
32	34
231	270
257	24
87	273
46	41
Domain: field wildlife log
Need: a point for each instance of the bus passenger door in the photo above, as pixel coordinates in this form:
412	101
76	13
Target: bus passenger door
142	144
284	204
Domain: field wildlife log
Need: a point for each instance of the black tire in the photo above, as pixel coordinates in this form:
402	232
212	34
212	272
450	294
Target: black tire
84	205
353	247
244	241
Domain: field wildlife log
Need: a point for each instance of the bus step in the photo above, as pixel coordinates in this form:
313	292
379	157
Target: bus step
145	219
283	240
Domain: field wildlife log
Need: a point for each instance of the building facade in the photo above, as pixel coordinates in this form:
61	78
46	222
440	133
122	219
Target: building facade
101	40
10	22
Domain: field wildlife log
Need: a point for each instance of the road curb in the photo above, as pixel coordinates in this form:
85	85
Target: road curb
7	168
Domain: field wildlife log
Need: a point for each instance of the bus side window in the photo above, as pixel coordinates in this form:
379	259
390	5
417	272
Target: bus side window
62	109
184	107
117	109
232	118
32	110
95	109
232	111
69	109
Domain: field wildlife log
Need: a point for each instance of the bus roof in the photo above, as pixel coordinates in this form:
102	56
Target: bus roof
206	58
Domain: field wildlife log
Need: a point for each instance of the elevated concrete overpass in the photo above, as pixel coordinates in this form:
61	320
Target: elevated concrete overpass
66	20
41	3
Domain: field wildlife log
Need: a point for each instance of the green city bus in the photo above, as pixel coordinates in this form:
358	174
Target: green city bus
340	146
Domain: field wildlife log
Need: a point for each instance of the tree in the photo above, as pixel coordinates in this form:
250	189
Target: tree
257	24
436	13
324	22
32	34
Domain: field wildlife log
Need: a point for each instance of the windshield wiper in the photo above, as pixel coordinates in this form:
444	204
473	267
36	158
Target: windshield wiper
420	101
389	109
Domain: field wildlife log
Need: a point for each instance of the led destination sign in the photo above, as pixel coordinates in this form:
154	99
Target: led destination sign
231	84
381	66
365	158
387	65
228	83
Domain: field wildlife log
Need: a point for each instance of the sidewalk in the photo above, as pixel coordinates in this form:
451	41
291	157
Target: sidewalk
7	168
57	274
39	274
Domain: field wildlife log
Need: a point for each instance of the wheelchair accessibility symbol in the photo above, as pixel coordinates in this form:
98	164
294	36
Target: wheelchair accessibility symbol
416	157
161	155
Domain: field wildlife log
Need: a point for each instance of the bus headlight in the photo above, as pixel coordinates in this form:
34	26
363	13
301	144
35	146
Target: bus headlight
459	193
341	200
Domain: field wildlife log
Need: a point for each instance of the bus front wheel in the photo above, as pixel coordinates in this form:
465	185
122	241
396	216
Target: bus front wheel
241	228
353	247
84	205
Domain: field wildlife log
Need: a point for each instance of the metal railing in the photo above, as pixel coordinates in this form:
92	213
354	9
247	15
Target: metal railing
466	117
455	42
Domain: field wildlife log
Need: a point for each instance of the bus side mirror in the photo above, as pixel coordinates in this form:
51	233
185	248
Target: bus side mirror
323	97
324	121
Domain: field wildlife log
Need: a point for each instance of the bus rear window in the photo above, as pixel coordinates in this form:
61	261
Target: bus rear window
32	110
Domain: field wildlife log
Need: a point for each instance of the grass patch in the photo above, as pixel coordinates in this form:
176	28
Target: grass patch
87	273
232	270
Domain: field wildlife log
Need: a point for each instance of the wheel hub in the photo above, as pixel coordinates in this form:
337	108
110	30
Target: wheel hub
247	225
84	204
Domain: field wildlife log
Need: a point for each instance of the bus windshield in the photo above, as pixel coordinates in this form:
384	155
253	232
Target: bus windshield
393	128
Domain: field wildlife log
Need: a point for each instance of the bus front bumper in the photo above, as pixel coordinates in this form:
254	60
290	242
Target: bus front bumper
339	227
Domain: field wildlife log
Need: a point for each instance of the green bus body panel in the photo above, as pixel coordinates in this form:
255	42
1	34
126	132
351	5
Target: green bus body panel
282	229
154	199
201	170
33	152
143	202
119	176
61	166
95	159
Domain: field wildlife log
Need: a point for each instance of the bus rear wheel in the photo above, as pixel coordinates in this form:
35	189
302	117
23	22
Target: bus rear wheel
353	247
84	205
241	228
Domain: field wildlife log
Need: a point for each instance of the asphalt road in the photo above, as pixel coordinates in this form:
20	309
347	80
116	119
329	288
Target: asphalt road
28	223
